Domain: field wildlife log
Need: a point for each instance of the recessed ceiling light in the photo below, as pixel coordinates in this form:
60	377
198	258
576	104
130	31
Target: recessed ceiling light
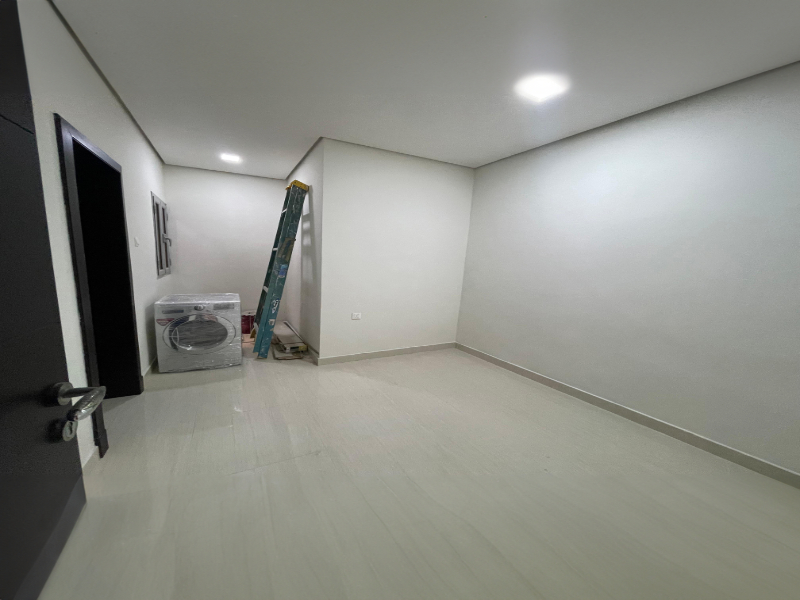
231	158
541	87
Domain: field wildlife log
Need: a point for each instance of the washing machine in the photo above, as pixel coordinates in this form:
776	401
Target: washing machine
198	331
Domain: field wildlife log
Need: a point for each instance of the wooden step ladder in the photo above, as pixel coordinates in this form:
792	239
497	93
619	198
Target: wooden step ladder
275	280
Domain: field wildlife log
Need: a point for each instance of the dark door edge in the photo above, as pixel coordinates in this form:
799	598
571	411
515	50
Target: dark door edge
34	581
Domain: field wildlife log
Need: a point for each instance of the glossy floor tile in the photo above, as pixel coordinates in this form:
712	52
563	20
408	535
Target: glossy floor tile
423	476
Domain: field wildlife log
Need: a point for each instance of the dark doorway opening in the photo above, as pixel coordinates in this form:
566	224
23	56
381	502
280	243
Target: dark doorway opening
101	258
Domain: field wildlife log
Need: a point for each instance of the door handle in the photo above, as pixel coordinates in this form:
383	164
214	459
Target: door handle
90	399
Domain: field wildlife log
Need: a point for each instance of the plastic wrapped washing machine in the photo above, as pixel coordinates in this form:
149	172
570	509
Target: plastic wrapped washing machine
198	331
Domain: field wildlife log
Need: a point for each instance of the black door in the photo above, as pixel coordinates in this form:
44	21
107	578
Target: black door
99	239
41	486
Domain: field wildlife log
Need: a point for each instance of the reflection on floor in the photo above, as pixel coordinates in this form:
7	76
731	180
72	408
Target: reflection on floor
425	476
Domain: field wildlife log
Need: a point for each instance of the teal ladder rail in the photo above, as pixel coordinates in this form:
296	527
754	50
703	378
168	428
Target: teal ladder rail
275	280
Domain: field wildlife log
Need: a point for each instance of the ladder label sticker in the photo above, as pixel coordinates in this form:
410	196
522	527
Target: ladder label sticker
282	272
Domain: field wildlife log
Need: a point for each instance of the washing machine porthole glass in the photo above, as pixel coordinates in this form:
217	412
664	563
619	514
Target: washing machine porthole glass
198	334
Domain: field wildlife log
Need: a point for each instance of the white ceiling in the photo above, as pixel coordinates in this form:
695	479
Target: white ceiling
432	78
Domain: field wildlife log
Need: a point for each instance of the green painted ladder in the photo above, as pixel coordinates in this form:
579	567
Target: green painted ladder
275	280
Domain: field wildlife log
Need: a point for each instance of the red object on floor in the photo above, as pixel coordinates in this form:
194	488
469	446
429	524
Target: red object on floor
248	319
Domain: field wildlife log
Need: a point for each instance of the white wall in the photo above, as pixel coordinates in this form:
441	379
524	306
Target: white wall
394	241
654	262
223	227
306	264
63	81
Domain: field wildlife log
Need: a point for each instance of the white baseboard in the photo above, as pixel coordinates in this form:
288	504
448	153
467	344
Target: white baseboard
331	360
150	367
698	441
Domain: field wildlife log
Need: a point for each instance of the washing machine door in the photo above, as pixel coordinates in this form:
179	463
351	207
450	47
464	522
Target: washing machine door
199	334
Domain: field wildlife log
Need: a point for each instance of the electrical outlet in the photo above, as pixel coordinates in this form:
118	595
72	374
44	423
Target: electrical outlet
356	316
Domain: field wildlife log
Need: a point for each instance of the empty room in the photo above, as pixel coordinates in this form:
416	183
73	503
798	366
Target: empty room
416	300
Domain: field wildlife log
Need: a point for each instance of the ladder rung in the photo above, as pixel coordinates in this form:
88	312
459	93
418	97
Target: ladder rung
266	289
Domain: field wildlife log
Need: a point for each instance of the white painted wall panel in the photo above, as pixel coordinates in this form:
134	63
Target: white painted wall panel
63	81
223	227
306	264
654	262
395	233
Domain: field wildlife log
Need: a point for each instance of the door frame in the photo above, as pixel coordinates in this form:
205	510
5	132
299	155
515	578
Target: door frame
67	136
